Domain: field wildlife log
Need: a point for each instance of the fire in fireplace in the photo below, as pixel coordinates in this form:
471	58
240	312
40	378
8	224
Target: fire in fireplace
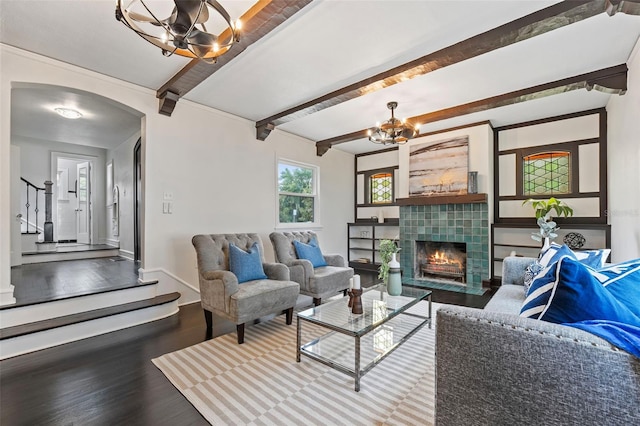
442	260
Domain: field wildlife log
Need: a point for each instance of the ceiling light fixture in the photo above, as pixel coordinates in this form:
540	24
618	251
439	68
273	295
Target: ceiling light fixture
393	131
68	113
184	32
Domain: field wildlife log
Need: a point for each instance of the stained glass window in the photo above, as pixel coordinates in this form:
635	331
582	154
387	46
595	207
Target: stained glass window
547	173
381	186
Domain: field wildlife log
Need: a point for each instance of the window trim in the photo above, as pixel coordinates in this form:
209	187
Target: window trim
316	224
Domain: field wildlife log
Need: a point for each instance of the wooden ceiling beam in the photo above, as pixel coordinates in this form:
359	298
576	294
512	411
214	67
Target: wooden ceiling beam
611	80
534	24
260	20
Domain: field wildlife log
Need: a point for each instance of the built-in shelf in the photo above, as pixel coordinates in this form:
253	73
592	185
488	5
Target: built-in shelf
364	241
439	199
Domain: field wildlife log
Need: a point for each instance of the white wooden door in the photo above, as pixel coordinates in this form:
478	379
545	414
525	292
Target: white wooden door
83	210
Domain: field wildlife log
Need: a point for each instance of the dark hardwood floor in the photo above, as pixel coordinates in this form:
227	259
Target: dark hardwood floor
44	282
110	380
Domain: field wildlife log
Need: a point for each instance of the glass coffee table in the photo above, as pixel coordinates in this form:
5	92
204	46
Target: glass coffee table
355	343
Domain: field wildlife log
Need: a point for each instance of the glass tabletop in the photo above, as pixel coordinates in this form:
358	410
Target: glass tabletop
378	307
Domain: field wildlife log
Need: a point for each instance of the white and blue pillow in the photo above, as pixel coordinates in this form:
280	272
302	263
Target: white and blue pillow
246	266
530	273
593	258
311	252
568	292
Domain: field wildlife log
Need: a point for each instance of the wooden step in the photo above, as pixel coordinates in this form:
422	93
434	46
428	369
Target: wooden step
38	326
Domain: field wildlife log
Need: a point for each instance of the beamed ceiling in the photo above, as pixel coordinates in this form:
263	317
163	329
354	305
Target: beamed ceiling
325	70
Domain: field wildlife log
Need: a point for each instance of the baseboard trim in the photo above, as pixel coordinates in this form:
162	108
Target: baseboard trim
126	254
168	282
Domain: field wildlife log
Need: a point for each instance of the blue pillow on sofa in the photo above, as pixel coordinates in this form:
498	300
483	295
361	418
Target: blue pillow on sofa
246	266
568	292
311	252
623	281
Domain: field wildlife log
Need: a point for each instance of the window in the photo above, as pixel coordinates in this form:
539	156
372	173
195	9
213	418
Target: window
297	193
376	187
381	188
547	173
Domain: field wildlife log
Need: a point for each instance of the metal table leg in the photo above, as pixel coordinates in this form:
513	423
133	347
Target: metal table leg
298	337
357	366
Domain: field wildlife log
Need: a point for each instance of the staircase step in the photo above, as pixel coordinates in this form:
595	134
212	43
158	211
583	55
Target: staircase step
34	336
68	254
38	326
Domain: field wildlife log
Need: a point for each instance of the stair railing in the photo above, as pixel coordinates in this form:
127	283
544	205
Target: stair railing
32	193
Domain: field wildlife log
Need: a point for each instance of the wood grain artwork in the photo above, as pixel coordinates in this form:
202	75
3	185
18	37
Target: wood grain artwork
439	168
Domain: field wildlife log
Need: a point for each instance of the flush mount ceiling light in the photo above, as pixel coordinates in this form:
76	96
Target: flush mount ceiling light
393	131
188	29
68	113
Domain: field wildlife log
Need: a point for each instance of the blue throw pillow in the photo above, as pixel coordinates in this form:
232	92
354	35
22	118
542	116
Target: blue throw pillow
622	280
311	252
246	266
567	292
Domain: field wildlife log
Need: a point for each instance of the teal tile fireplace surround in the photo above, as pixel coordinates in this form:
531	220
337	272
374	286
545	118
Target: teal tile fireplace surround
456	223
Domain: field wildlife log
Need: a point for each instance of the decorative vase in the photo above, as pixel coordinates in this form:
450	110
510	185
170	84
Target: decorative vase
546	244
394	281
472	183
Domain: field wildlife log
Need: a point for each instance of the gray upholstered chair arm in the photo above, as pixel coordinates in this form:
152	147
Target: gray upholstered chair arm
276	271
513	268
497	368
306	264
216	287
334	259
227	277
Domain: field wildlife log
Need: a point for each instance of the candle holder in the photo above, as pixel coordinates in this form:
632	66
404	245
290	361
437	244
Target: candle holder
356	307
350	293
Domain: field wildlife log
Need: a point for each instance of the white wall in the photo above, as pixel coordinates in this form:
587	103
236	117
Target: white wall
222	178
623	137
122	157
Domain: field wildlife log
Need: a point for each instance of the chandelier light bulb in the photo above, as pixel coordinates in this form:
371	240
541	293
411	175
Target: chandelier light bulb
238	25
216	47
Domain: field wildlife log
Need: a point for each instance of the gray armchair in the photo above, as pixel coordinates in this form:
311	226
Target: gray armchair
221	294
318	282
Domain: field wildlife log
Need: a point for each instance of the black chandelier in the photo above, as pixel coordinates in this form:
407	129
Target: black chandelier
392	131
185	31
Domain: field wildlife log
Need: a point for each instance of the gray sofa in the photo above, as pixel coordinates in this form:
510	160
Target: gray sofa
496	368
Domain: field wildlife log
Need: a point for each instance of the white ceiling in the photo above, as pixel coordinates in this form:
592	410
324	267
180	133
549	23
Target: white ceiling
324	47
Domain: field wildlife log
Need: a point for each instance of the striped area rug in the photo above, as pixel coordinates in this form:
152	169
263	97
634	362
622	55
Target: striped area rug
260	382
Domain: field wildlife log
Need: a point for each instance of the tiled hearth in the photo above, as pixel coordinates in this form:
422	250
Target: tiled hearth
462	223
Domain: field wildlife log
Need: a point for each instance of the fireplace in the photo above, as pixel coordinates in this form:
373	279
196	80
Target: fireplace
464	223
441	260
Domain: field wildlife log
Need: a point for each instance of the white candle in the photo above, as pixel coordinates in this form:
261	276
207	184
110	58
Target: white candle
356	282
350	283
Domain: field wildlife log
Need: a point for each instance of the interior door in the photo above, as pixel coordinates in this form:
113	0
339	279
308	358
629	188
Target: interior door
83	209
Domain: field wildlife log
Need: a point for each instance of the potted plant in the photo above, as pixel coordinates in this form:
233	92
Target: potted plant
548	227
387	250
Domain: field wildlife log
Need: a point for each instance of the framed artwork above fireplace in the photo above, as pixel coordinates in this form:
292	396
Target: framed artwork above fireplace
439	168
